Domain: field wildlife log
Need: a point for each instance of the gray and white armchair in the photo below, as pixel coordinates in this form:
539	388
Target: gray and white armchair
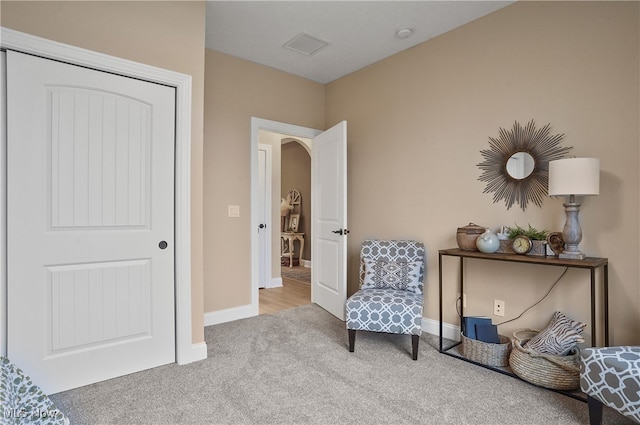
390	297
610	376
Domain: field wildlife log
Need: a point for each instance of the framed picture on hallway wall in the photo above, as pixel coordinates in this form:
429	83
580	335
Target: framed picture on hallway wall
293	222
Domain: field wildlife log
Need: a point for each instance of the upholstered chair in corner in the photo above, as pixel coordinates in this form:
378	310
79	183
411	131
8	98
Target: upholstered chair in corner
610	376
390	297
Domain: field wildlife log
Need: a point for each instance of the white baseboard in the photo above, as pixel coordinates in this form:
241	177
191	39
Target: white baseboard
449	331
229	314
198	352
306	263
275	282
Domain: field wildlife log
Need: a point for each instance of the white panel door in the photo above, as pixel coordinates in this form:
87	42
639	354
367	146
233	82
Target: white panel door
264	206
329	220
90	223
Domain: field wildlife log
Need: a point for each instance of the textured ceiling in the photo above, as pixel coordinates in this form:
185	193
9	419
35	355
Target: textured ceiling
359	33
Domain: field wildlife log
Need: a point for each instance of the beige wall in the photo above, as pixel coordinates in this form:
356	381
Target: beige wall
235	91
296	174
165	34
418	120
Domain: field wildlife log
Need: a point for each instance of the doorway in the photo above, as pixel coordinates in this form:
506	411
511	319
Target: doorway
274	132
328	217
289	181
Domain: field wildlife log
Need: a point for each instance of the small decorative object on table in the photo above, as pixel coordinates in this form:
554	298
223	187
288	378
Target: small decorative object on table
505	242
555	242
538	248
466	236
530	241
505	246
522	244
294	220
488	242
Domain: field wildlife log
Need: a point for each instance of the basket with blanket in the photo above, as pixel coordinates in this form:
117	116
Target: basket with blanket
549	358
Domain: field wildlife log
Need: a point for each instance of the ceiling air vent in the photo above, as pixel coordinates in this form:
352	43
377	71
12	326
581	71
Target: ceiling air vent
305	44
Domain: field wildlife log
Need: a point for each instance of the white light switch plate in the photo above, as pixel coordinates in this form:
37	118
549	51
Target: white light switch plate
234	210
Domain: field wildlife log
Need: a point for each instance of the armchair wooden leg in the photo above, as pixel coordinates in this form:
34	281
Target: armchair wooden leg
352	339
415	339
595	411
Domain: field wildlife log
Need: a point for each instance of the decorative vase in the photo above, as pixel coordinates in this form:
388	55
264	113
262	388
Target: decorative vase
488	242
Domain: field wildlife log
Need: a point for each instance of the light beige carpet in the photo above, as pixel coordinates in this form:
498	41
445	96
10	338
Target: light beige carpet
293	367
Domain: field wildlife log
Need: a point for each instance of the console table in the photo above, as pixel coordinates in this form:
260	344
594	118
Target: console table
590	263
287	239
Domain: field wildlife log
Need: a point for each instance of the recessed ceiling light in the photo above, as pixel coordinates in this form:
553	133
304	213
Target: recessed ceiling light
404	33
305	44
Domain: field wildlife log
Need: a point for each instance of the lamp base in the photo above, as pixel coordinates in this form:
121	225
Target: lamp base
572	255
572	232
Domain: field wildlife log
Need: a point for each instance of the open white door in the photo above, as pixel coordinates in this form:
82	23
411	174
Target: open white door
90	223
329	220
264	207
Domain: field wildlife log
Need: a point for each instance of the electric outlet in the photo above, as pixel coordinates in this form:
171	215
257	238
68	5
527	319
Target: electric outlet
498	308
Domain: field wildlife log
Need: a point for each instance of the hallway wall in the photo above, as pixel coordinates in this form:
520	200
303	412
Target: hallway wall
296	174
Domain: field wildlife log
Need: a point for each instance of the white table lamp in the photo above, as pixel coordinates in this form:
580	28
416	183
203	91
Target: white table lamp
573	177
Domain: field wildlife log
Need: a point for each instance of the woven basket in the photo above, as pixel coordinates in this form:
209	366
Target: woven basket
545	370
487	353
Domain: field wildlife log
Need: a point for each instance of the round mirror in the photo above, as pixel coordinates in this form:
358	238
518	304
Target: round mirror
520	165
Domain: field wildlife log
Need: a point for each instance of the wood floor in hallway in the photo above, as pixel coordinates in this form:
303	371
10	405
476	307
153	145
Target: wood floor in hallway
291	294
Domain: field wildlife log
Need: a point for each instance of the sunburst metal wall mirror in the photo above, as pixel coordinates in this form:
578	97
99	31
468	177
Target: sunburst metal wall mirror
516	165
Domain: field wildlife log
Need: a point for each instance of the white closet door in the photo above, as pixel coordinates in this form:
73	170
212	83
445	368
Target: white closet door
90	228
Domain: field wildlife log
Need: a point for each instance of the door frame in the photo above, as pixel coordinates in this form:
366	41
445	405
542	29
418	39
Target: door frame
258	124
186	350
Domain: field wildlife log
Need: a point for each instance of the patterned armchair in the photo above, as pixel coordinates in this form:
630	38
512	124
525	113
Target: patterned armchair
391	291
610	376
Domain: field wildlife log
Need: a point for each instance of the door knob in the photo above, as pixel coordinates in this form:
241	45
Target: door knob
262	226
339	231
163	244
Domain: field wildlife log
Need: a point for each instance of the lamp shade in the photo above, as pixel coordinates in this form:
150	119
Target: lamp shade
574	176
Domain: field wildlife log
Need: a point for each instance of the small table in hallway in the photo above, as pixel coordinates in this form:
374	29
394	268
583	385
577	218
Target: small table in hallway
287	239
